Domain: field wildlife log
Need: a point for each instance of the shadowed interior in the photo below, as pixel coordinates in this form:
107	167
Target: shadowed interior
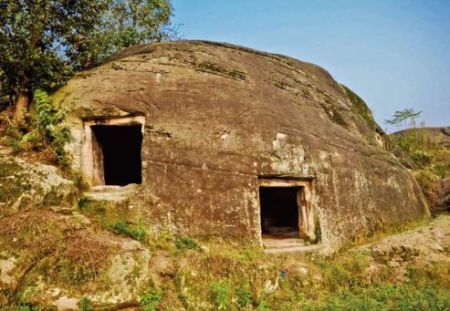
279	211
121	151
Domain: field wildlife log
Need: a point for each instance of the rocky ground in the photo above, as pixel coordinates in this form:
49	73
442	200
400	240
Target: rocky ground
60	251
423	246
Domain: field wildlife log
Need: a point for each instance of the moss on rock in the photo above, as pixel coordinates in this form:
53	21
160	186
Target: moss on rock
361	108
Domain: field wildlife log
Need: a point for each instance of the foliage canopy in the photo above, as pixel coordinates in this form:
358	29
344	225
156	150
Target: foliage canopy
43	41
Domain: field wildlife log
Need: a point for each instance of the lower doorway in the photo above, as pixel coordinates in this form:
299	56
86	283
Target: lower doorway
288	220
280	215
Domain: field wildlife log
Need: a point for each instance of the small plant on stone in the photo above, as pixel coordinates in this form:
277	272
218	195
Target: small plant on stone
82	203
124	228
150	300
86	304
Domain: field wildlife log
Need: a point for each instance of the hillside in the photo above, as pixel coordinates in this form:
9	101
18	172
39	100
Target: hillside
426	151
60	251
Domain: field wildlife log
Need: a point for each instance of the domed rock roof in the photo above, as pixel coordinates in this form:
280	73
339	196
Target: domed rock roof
222	122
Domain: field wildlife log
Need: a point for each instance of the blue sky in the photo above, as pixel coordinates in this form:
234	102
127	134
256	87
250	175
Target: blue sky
394	53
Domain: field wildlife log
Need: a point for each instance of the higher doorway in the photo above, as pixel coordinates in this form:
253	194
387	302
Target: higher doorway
281	215
117	149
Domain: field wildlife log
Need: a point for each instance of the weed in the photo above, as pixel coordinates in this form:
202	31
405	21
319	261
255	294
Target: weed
442	170
124	228
421	158
221	295
388	297
185	243
82	203
85	304
263	306
150	300
244	297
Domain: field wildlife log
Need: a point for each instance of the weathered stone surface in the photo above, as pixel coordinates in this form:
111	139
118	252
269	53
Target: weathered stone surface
24	185
218	116
53	260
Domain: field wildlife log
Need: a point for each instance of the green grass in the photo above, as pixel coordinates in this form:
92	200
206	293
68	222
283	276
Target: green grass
85	304
185	243
221	295
125	228
150	300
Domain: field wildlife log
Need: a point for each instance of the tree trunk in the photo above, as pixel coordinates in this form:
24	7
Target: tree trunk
22	103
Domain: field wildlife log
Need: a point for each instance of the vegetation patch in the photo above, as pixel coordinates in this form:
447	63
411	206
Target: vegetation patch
221	295
34	232
126	229
431	159
185	243
45	133
361	108
216	69
334	115
85	304
228	275
151	300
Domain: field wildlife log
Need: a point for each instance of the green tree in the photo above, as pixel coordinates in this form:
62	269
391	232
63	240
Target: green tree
43	41
402	117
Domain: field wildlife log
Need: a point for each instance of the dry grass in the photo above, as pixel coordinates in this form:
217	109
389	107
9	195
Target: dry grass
36	231
83	249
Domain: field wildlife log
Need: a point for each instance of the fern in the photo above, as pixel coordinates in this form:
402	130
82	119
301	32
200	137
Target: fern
49	123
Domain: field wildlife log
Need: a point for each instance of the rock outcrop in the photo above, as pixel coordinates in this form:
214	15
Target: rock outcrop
51	255
219	118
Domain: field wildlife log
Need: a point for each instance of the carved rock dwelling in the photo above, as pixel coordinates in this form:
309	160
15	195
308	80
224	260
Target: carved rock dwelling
209	139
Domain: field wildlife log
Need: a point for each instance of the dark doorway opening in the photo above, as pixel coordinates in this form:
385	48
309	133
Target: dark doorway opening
279	212
120	147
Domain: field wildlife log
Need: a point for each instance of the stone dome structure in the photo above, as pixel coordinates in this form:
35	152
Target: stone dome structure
210	139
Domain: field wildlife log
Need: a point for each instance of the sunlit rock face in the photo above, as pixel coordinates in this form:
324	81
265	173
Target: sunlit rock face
218	119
